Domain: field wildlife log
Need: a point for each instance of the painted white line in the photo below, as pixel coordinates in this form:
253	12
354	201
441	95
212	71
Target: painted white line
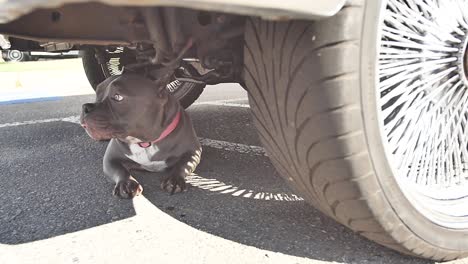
229	146
217	144
72	119
31	122
223	101
76	119
198	181
226	104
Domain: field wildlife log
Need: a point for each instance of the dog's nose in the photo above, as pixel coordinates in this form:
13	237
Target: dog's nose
88	108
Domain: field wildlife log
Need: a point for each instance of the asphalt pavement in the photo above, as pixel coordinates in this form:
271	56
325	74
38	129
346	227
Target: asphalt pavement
57	207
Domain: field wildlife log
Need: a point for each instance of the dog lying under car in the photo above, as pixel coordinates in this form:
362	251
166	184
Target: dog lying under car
148	130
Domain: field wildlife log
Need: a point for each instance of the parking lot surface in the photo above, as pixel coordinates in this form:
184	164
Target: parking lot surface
57	207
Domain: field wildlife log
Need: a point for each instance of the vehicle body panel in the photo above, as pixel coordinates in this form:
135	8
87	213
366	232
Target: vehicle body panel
270	9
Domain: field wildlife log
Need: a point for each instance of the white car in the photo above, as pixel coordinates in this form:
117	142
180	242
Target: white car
13	55
362	105
16	55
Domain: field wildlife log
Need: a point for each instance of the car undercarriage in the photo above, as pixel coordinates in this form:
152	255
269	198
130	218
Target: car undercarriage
204	46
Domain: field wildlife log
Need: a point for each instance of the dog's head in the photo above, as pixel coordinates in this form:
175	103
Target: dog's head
128	107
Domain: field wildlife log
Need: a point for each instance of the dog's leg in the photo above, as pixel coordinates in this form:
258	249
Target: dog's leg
174	181
125	185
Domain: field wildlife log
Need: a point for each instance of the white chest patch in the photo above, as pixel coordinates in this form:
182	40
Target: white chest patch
143	157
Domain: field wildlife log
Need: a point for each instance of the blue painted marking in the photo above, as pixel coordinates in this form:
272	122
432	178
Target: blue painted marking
31	100
24	97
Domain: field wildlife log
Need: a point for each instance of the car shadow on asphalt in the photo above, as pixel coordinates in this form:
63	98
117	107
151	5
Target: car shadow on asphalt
240	197
239	204
52	183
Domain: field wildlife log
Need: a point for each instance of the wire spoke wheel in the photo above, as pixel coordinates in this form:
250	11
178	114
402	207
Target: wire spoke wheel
367	118
423	99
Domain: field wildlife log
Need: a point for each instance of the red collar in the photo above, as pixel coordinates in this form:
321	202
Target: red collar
165	133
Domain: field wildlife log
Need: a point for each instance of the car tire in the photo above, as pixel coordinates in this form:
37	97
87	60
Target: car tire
186	92
313	92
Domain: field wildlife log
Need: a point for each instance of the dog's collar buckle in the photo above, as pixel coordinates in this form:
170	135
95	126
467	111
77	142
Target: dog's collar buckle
171	127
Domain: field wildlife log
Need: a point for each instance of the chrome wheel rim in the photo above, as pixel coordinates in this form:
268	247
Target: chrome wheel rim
15	55
423	103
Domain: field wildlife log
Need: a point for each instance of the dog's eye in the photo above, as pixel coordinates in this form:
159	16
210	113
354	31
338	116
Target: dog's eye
118	97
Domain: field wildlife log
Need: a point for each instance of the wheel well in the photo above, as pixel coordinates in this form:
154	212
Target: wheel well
215	39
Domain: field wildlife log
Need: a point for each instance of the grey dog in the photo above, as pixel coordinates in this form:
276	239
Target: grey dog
148	129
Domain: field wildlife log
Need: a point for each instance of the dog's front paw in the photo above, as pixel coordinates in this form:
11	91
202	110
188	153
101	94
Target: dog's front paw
127	189
173	184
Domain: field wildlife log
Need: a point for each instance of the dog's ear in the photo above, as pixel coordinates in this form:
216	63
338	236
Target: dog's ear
101	88
105	83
